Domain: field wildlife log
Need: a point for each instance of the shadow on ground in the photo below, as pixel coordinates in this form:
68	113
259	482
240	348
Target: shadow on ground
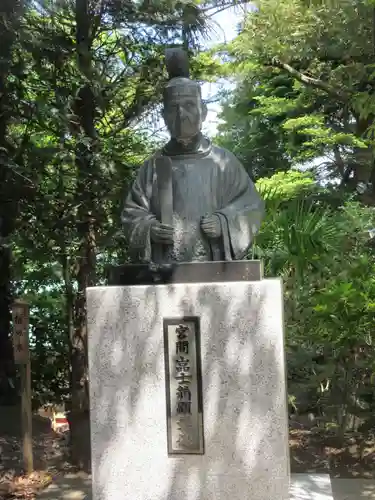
69	487
353	489
303	487
48	450
324	453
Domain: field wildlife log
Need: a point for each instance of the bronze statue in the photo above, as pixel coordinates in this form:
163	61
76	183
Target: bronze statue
191	201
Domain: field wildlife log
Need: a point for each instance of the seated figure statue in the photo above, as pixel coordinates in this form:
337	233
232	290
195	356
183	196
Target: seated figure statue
191	201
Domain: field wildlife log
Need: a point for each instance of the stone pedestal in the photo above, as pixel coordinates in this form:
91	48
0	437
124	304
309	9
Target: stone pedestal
244	403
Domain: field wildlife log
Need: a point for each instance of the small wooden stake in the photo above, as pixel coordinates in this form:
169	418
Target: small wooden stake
27	417
22	358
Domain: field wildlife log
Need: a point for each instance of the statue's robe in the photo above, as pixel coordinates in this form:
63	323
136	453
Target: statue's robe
209	181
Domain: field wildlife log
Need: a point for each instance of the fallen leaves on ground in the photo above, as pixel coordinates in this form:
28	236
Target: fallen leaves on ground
323	452
24	487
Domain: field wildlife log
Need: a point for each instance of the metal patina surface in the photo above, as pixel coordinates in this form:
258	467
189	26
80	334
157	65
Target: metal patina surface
192	201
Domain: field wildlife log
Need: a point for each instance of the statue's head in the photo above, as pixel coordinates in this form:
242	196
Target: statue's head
184	110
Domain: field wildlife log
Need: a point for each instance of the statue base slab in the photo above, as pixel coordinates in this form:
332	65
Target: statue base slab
242	449
186	272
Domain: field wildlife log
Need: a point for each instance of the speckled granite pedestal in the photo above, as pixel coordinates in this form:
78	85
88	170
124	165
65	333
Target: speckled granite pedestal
244	396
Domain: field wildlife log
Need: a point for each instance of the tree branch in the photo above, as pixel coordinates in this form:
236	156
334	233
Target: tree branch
225	5
310	81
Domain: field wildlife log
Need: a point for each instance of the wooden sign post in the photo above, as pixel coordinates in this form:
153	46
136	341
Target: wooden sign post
20	315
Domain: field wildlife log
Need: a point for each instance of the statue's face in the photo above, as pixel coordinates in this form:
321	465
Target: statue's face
184	114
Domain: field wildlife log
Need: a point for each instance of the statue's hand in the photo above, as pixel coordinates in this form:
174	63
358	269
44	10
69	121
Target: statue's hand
161	233
210	225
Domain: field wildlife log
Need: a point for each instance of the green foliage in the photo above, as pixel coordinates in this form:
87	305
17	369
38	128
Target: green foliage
296	230
49	347
256	138
337	306
284	186
304	95
326	260
307	70
81	80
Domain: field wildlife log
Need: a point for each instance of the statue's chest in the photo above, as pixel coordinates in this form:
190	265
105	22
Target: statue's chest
194	186
199	176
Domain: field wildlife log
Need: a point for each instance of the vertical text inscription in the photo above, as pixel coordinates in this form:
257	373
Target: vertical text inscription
183	386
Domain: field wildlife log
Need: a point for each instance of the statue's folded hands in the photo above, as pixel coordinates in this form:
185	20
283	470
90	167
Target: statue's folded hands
161	233
211	226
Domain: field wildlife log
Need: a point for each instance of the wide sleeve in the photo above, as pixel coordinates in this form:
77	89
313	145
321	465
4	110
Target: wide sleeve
242	209
137	217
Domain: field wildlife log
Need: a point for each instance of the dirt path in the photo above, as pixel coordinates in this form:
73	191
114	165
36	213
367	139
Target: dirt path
49	452
310	452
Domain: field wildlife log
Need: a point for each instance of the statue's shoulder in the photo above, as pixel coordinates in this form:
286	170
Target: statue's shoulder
149	162
221	151
224	155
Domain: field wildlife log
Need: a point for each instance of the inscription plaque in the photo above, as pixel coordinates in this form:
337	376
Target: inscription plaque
183	380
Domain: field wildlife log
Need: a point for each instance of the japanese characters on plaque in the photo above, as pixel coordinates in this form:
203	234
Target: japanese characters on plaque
20	318
183	386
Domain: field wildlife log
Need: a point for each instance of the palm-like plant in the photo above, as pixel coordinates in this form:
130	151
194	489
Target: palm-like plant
296	234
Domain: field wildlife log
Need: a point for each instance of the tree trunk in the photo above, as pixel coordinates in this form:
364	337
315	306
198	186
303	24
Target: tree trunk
363	165
8	204
86	264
